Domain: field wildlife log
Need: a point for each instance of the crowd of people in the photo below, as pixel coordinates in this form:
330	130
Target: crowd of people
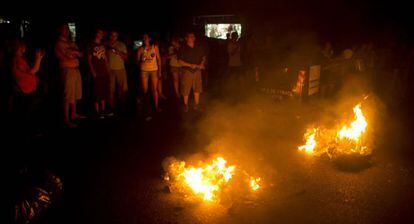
181	63
107	75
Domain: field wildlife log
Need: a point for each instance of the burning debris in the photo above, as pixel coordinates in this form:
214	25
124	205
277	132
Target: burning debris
207	180
347	139
310	144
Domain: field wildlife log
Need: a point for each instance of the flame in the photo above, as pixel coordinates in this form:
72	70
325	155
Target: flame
344	140
310	144
204	181
356	128
207	180
254	183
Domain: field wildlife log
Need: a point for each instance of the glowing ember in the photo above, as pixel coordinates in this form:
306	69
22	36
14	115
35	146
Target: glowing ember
310	144
254	183
348	138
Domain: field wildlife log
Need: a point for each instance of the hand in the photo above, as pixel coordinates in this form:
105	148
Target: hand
39	54
93	73
77	54
193	66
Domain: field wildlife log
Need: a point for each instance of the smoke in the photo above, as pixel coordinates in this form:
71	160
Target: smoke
260	134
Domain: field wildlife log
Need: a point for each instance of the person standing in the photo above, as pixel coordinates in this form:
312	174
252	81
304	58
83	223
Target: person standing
150	63
117	55
98	67
175	66
26	82
191	58
234	64
67	52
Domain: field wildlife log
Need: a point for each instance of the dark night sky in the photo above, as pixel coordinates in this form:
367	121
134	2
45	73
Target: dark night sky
330	18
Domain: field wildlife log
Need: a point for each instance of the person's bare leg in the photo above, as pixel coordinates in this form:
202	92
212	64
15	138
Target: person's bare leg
66	112
73	115
176	84
103	105
144	84
160	93
185	99
154	89
112	82
196	99
96	104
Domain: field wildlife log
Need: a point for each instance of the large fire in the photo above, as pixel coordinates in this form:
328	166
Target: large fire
345	140
207	180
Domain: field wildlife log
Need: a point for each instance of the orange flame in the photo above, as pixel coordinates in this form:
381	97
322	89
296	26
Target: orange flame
207	180
348	138
310	144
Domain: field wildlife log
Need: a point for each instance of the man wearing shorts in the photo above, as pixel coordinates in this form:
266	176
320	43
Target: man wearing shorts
192	59
68	53
150	63
117	54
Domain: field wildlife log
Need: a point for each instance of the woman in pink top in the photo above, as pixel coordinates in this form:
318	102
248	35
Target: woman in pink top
24	74
26	81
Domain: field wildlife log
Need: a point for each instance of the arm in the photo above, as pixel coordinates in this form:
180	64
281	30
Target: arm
91	68
65	53
171	53
202	64
139	54
157	53
38	60
185	64
121	53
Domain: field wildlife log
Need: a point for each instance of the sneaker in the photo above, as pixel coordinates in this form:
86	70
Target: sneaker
71	125
79	117
108	114
197	108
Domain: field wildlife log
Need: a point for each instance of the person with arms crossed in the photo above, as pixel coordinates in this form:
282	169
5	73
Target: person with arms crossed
67	52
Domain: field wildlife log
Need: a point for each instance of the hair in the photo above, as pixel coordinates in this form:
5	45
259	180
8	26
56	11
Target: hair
114	31
234	34
17	44
143	34
97	30
188	33
175	38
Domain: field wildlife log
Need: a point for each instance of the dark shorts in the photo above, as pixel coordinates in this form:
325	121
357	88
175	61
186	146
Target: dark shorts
190	80
175	69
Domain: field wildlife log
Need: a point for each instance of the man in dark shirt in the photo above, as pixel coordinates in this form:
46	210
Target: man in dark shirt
192	59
